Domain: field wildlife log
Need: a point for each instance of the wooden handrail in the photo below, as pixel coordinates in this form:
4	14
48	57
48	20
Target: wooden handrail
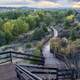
21	53
38	67
60	73
13	54
66	73
24	71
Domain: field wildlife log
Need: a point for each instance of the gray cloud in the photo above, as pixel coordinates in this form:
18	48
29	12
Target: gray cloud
32	2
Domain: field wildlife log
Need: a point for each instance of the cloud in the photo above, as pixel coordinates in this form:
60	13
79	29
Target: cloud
30	3
41	3
14	2
76	5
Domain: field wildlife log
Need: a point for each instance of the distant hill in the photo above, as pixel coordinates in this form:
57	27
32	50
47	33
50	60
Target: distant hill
31	8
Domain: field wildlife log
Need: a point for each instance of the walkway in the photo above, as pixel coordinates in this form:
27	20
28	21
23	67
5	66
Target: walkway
50	59
7	72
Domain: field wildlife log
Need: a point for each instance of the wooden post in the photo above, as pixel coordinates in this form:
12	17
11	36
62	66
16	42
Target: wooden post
76	74
72	75
56	74
11	57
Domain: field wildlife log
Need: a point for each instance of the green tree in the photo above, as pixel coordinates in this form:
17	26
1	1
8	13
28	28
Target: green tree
2	38
39	33
20	26
1	23
36	53
31	20
72	35
8	37
7	28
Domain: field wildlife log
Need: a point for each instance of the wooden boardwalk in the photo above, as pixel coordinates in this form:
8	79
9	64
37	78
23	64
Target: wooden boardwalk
7	72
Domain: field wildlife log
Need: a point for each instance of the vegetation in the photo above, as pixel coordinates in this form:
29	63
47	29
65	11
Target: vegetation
14	23
36	53
37	23
69	49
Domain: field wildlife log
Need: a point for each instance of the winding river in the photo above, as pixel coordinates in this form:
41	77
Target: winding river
50	59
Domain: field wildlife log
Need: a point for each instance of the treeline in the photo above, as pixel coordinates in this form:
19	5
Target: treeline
14	23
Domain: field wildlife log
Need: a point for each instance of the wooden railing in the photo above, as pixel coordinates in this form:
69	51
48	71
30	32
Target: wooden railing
24	74
61	74
9	55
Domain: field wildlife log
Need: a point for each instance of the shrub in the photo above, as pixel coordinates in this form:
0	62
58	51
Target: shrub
29	45
36	53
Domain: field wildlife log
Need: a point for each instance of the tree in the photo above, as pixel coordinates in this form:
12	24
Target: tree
20	26
8	37
8	26
73	35
55	44
32	21
70	12
70	18
1	23
74	52
68	21
2	38
36	53
39	33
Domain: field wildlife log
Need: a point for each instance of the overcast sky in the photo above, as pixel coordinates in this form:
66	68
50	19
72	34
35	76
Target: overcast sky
41	3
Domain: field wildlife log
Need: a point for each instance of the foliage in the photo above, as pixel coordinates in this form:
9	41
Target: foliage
36	53
29	45
8	26
58	45
2	38
39	33
20	27
14	23
72	35
70	17
70	46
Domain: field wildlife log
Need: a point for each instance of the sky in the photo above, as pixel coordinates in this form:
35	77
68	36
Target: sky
41	3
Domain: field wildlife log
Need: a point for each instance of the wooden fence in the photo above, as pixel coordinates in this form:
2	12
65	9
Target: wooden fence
24	74
61	74
9	55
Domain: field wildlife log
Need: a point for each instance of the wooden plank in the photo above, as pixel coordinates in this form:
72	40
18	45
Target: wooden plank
7	72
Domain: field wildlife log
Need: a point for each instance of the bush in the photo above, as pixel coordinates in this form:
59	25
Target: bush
29	45
73	35
39	33
2	38
36	53
20	27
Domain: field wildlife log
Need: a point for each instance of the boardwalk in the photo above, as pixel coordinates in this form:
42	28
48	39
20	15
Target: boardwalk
50	59
7	72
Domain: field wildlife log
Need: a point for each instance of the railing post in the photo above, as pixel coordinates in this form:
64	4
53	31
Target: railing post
73	74
43	61
18	76
57	74
11	57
